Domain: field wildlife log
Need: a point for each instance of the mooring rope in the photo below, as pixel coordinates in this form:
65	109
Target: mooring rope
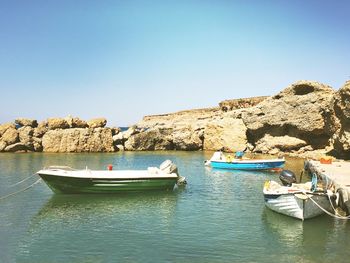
324	210
25	179
22	190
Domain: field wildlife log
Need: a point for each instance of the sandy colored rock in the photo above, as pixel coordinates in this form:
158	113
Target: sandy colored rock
97	123
57	123
271	144
10	136
5	126
78	140
187	139
151	139
26	122
341	138
225	132
17	147
303	110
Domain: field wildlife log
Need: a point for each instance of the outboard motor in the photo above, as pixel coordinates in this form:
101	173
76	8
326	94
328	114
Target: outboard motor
168	167
287	177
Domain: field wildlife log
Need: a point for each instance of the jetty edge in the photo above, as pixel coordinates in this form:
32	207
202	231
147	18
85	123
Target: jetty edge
336	173
307	119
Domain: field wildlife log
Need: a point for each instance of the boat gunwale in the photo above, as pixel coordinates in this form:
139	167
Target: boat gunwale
82	174
248	161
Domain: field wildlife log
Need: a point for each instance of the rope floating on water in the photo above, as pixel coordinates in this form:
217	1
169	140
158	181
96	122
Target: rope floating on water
25	179
22	190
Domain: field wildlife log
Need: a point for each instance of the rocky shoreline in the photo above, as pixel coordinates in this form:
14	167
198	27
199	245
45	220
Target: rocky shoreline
306	119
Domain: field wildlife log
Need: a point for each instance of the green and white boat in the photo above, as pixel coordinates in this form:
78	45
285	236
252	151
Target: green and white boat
63	179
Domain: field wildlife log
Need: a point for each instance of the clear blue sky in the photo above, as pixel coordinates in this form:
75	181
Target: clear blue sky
126	59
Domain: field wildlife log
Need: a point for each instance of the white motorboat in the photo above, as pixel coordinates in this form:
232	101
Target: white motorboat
302	201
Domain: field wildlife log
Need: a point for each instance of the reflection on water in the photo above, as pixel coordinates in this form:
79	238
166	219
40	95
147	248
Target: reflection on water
93	224
219	216
70	208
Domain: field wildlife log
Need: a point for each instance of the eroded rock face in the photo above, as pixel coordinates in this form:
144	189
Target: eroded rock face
273	145
97	123
341	138
26	137
302	110
26	122
10	136
75	122
150	139
5	126
57	123
187	139
78	140
225	132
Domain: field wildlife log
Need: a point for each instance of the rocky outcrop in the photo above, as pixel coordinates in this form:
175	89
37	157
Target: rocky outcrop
56	135
97	123
305	119
26	122
150	139
302	111
78	140
225	132
341	138
57	123
228	105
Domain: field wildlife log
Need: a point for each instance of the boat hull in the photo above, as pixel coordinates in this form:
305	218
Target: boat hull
298	205
75	185
248	165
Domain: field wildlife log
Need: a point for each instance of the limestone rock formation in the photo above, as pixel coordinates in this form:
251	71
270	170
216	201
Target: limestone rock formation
302	110
10	136
228	105
17	147
75	122
150	139
341	138
225	132
57	123
78	140
273	145
5	126
97	123
26	137
187	139
26	122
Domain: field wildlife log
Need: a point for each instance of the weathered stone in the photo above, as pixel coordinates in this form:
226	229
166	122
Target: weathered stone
78	140
187	139
57	123
26	136
75	122
2	146
121	137
226	132
303	110
152	139
228	105
40	130
37	144
271	144
341	138
17	147
10	136
26	122
119	147
115	130
5	126
96	123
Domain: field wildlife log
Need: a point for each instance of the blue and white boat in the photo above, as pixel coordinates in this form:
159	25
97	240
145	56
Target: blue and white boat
223	161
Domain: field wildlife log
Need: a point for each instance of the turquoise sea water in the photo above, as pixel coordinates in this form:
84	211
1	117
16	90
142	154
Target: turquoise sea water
219	217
